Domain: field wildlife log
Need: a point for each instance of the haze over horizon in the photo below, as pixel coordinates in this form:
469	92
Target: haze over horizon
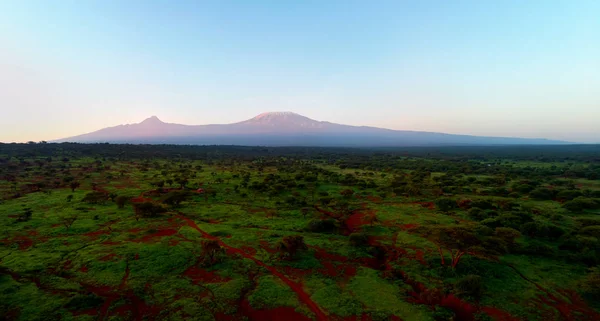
509	69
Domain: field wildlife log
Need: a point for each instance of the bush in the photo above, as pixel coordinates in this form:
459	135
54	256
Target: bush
445	204
443	314
541	194
585	221
359	239
95	198
483	204
470	286
536	248
290	245
591	231
121	201
567	195
322	226
148	209
580	204
477	214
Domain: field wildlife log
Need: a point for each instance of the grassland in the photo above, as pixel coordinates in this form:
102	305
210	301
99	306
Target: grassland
295	235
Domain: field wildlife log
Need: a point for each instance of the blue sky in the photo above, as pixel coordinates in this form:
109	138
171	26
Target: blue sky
498	68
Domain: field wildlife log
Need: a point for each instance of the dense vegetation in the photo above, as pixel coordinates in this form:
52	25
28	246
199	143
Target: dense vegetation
124	232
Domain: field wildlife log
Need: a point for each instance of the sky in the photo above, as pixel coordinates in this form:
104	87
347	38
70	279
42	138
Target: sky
495	68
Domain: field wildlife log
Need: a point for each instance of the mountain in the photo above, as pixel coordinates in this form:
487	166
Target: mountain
285	129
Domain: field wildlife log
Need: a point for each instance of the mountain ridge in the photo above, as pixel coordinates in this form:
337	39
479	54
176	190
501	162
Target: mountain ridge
285	128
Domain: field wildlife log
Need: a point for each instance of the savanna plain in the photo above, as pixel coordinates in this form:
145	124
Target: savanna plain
165	232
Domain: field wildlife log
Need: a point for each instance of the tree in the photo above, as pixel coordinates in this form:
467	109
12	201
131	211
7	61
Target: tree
470	286
68	220
305	211
69	198
74	185
148	209
95	197
159	185
25	215
211	252
445	204
359	239
457	240
121	201
175	198
347	193
290	245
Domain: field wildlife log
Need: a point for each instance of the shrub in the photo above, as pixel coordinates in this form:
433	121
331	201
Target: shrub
211	252
95	198
121	201
477	214
541	194
507	234
290	245
359	239
470	286
591	282
445	204
483	204
536	248
322	226
443	314
580	204
586	221
591	231
148	209
567	195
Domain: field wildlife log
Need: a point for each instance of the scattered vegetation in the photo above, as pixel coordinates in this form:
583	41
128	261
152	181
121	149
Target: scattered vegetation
134	232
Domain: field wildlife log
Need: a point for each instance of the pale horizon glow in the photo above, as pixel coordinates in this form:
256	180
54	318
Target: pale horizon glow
508	68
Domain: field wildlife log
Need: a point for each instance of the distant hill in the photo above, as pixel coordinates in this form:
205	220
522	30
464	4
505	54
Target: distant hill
285	129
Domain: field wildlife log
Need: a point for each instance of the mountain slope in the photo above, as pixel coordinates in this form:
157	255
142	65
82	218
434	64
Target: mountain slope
284	129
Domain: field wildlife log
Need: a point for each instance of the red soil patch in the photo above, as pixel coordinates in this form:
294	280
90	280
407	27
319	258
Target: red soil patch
33	233
427	205
302	296
498	315
248	249
107	257
157	234
198	275
374	199
83	269
97	233
419	257
407	226
67	265
267	247
342	268
355	221
574	308
140	199
56	225
23	242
